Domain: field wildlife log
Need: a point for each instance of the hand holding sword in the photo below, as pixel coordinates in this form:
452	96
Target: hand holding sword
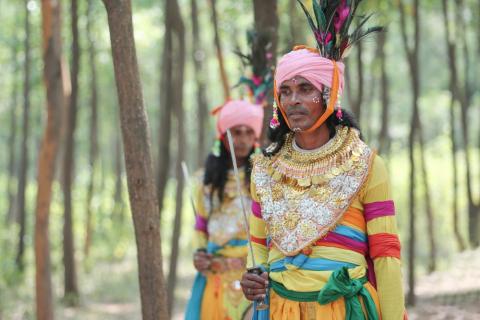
201	259
255	282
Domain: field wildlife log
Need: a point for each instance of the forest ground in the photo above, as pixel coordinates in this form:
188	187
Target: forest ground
110	291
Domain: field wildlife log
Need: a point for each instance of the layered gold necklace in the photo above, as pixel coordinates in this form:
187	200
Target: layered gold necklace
303	194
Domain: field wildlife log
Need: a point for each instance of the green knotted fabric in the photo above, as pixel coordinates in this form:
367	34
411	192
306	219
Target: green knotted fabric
339	285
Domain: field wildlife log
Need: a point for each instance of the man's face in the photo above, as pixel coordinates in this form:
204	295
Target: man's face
302	103
243	140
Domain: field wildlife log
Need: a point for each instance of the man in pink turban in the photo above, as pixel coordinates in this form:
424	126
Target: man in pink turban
323	221
221	239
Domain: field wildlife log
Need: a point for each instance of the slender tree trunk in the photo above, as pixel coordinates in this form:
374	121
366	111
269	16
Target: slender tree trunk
179	50
477	85
296	35
52	51
218	46
430	216
367	109
357	107
384	136
411	226
411	52
198	58
23	169
166	106
139	166
93	152
356	97
12	182
464	97
455	217
118	195
70	274
348	91
453	91
266	23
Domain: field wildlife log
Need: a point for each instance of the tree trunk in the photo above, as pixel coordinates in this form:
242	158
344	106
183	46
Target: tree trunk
357	98
12	181
411	52
23	169
93	152
202	107
455	216
296	34
384	136
477	85
218	46
266	23
178	28
453	92
139	166
52	50
465	99
411	226
358	105
70	274
430	216
166	105
367	110
118	194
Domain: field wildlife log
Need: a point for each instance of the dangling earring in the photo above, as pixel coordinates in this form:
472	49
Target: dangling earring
258	150
274	123
216	148
316	100
339	110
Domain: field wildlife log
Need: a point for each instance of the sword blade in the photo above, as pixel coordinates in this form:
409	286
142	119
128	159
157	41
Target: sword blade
239	189
187	182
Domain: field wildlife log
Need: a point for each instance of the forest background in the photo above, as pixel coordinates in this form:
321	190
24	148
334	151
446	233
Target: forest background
415	90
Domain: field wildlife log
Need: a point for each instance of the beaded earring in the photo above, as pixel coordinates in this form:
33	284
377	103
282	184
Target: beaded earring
216	148
274	123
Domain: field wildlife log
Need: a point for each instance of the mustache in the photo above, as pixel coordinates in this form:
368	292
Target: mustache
297	110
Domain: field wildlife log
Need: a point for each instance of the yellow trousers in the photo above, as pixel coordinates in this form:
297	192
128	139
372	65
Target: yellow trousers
283	309
223	298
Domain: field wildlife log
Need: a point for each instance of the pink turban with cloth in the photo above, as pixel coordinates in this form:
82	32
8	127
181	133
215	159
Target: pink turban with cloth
309	65
320	71
239	112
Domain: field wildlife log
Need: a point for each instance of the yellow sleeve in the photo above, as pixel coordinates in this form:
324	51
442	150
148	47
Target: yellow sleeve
258	235
201	218
384	246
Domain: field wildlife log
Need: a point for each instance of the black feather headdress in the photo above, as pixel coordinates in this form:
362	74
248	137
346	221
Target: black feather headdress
331	26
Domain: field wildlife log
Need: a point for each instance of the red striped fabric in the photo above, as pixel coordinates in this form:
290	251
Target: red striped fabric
384	245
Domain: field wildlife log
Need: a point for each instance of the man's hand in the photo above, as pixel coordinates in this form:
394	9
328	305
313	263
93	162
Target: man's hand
202	261
254	286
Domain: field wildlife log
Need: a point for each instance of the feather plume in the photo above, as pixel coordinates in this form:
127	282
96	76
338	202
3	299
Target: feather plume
331	26
260	81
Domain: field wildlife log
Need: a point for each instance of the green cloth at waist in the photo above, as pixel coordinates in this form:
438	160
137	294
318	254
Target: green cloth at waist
338	285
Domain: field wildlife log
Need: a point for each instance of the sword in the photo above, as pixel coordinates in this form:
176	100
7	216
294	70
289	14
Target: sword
239	189
186	176
261	305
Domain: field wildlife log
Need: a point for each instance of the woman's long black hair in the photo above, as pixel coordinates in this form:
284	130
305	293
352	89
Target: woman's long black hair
216	171
279	134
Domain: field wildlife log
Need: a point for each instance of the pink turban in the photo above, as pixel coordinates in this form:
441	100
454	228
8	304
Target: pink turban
309	65
319	71
240	112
